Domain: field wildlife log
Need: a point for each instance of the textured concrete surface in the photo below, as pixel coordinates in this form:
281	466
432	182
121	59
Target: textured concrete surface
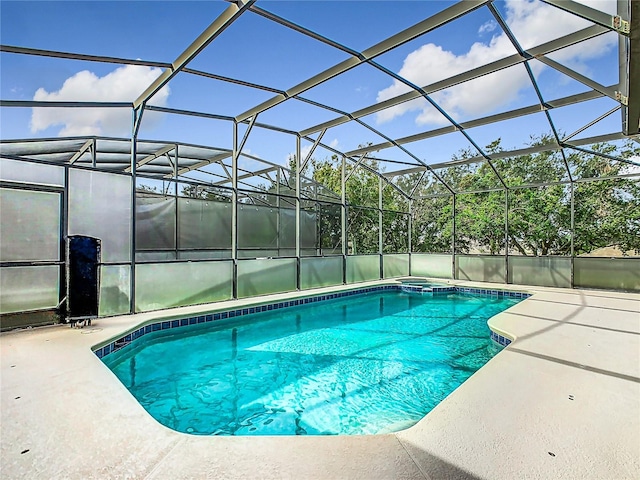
562	401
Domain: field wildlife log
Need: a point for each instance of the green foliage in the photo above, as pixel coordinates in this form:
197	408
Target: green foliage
362	190
432	224
206	193
606	212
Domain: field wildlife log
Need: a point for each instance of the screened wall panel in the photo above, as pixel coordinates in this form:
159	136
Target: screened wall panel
258	227
29	288
543	271
29	225
607	273
29	172
431	265
607	215
264	276
481	268
330	224
361	268
480	223
320	272
263	253
432	225
203	254
309	232
166	285
155	256
155	223
395	265
204	224
395	232
100	206
287	228
540	221
115	287
362	230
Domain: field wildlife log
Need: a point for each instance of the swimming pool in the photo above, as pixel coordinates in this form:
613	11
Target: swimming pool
370	363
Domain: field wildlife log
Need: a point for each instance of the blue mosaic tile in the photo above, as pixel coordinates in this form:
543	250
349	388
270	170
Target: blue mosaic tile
127	339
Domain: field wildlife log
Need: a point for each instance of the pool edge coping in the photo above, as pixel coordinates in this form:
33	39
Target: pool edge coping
224	312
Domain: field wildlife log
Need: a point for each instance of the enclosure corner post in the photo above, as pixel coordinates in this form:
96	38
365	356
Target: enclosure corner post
136	121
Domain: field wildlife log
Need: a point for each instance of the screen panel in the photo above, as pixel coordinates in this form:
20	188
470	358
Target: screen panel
395	265
361	268
543	271
480	268
100	206
320	271
115	287
264	276
29	288
29	225
166	285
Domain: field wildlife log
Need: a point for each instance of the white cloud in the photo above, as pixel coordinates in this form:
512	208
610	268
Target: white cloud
334	143
530	22
304	151
124	84
487	27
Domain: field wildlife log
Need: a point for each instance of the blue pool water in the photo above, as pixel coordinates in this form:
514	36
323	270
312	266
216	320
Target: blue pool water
365	364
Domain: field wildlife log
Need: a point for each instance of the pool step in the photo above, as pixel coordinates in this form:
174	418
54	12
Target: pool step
434	289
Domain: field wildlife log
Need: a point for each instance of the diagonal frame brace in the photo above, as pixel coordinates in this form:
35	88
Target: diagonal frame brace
226	18
313	148
88	145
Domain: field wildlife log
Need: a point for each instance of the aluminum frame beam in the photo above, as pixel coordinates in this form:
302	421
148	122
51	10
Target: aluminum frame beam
598	17
215	159
631	118
440	18
257	173
492	67
87	146
519	112
54	104
152	157
224	20
129	61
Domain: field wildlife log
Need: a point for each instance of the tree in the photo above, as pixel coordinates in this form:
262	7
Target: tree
362	194
607	212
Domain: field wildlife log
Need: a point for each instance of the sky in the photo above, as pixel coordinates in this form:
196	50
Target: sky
257	50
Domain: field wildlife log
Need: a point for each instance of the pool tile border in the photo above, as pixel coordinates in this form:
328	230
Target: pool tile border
130	337
500	340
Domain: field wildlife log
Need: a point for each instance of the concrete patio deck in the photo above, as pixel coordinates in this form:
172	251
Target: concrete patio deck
562	401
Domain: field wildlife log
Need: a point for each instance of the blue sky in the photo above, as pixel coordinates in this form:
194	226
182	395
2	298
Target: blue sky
257	50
